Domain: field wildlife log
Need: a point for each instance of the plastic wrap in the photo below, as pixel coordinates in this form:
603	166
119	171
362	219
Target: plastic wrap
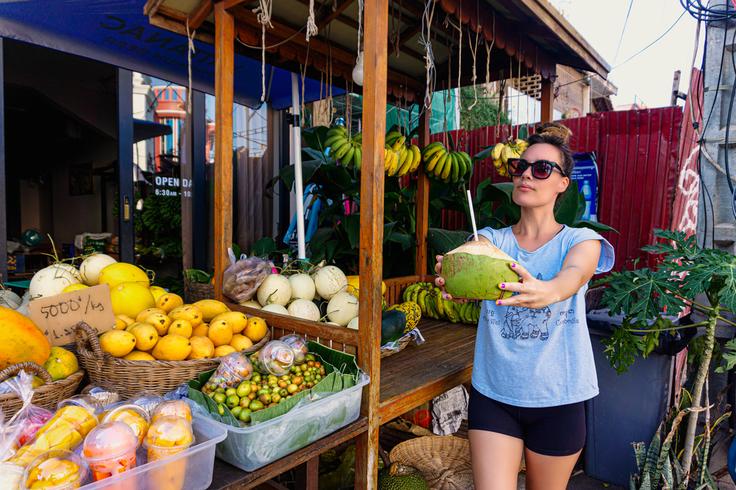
241	279
233	369
276	357
23	426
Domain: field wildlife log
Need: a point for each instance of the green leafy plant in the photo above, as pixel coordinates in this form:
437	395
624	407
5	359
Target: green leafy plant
337	238
647	298
497	209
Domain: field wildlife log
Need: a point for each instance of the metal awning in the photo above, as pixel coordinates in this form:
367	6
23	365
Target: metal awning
117	32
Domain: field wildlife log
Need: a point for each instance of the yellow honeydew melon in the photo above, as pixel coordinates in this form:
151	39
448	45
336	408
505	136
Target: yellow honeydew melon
275	289
329	280
121	272
92	266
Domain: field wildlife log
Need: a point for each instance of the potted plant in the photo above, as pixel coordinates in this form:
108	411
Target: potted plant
648	298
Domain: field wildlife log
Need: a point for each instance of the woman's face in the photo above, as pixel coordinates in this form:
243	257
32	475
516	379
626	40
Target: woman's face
531	192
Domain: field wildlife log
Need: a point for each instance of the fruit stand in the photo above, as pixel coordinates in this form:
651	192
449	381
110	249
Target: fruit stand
520	38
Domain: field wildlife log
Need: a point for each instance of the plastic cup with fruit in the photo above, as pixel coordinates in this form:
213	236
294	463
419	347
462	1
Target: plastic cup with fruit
276	357
168	435
55	470
110	450
233	370
131	415
172	408
299	345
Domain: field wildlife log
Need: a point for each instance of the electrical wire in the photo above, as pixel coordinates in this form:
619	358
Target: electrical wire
728	118
623	30
706	14
651	43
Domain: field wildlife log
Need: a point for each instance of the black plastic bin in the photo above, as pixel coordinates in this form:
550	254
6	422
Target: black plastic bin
628	409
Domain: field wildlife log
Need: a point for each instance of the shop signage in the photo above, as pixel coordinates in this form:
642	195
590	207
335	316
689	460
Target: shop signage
58	315
172	186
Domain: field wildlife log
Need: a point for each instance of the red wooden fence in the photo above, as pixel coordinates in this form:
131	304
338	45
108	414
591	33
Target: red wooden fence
637	153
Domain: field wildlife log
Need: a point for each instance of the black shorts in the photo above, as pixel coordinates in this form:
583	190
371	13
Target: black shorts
552	431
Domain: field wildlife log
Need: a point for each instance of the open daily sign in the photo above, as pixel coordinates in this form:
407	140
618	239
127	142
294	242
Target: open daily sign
58	315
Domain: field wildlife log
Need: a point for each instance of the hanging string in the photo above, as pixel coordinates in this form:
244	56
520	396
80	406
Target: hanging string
460	57
425	39
488	52
520	93
474	52
190	51
360	24
263	14
311	25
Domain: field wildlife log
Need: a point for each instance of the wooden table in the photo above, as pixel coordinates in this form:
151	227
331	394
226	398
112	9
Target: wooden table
408	379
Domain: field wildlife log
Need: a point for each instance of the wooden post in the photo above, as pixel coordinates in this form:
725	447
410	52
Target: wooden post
186	176
375	69
126	228
548	100
422	202
3	201
224	58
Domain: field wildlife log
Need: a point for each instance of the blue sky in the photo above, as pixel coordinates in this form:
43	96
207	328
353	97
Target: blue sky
648	77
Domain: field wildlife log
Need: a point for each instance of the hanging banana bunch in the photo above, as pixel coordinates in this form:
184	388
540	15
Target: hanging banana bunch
344	149
444	165
401	158
503	151
433	305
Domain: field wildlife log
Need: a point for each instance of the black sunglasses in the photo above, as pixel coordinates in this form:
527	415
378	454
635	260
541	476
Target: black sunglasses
541	169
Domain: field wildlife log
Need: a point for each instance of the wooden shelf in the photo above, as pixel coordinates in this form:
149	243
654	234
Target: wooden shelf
421	372
229	477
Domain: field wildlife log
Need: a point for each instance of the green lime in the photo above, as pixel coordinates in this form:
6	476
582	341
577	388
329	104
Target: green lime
230	391
236	411
243	389
244	415
219	397
255	405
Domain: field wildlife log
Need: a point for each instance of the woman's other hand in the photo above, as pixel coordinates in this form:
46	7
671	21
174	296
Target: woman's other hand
532	293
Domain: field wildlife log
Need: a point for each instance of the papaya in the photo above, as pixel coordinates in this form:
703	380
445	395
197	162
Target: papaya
21	340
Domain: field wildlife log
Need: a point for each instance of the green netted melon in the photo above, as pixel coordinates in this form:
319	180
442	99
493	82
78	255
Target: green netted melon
475	269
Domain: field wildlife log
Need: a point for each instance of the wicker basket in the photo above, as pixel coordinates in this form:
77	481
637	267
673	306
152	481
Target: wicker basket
46	396
130	377
444	461
195	291
403	342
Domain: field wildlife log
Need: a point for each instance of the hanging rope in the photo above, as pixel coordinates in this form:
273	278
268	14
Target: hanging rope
311	24
425	39
190	51
263	14
474	52
488	52
360	24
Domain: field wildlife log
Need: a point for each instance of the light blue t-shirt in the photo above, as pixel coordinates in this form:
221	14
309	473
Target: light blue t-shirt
538	357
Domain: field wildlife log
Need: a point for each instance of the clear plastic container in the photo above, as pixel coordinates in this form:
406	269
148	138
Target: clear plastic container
109	450
55	470
197	462
275	358
253	447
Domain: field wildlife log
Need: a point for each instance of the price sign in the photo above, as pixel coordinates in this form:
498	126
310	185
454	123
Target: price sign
57	316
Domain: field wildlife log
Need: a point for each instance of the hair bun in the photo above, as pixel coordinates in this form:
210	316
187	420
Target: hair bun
555	130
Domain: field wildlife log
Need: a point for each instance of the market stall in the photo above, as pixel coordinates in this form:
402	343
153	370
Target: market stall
500	39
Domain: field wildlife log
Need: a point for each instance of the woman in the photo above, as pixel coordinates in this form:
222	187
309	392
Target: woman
534	365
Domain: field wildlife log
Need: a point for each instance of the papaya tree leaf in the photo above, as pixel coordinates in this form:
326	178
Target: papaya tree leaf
442	241
484	153
593	225
568	204
315	137
351	224
286	174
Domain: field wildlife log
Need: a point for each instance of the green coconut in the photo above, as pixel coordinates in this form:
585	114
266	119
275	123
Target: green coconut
475	269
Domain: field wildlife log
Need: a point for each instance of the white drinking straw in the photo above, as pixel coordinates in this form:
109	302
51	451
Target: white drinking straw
472	216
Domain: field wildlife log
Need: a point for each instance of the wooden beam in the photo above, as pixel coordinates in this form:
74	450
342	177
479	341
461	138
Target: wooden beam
375	69
151	7
548	100
223	219
232	3
248	24
165	22
422	200
323	21
200	14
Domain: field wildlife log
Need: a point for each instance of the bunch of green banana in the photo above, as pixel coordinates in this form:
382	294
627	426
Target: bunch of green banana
503	151
447	166
433	305
348	151
400	158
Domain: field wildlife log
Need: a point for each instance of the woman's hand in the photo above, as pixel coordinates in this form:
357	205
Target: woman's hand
439	281
533	293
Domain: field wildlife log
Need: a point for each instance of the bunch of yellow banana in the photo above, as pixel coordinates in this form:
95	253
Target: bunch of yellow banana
348	151
447	166
433	305
400	158
503	151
